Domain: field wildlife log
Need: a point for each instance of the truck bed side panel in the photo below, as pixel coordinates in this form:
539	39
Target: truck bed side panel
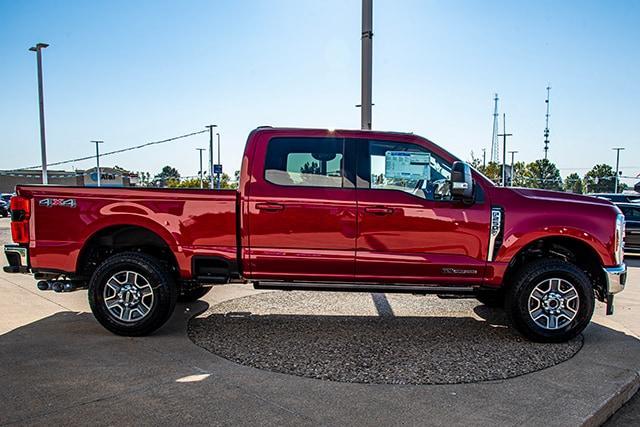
191	222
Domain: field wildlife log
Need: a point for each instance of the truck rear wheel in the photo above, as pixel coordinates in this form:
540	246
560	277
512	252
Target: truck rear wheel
132	294
550	301
193	294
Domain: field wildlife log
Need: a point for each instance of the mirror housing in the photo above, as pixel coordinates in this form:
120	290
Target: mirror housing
461	182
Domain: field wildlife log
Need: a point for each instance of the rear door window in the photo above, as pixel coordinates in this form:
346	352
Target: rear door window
305	162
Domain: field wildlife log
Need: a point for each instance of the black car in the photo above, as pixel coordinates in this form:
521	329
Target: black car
617	197
631	213
4	208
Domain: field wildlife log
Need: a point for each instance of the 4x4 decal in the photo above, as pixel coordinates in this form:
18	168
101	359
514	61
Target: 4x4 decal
65	203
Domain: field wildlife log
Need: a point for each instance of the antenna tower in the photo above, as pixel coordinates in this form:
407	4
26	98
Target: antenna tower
495	145
546	127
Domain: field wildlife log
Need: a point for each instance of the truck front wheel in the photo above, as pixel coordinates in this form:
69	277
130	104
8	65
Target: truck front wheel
550	301
132	294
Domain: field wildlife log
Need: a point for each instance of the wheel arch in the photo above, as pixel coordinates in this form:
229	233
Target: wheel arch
566	248
116	238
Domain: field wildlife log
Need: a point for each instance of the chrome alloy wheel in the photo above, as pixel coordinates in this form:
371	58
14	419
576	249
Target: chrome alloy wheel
553	303
128	296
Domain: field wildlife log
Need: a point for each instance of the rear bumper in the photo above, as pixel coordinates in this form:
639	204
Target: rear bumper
18	258
616	278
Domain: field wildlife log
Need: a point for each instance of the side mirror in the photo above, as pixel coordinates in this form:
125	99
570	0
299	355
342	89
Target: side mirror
461	182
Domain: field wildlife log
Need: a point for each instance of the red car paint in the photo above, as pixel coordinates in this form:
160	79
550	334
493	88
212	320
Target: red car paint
312	234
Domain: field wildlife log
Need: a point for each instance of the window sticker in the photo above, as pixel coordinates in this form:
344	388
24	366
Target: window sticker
407	165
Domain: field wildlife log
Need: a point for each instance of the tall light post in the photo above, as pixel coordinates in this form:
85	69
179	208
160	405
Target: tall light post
504	136
513	172
210	127
617	149
484	158
219	167
98	159
201	176
43	146
367	64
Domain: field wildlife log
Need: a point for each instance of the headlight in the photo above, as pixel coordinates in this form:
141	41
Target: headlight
619	240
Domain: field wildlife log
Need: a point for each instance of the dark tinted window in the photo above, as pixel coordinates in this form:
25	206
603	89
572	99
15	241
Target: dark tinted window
631	213
305	162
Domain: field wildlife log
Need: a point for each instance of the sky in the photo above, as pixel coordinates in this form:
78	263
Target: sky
134	72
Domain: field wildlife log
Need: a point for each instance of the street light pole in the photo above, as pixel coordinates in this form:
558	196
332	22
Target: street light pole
484	158
504	136
201	176
367	66
43	146
219	164
210	127
617	149
98	159
513	173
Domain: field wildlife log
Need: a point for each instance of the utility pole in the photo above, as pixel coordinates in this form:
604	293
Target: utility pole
43	145
367	65
484	158
210	127
617	149
219	164
504	136
546	127
98	159
513	173
201	176
495	145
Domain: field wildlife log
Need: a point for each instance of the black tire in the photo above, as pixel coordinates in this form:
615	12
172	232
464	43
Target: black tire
519	299
193	294
491	298
158	279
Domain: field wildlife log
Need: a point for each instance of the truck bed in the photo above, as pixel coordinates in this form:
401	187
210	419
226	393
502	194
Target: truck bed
191	222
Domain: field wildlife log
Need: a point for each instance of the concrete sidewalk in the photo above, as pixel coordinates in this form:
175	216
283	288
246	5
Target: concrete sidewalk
58	366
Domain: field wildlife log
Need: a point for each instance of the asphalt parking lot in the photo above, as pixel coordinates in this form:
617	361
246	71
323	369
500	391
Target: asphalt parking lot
58	366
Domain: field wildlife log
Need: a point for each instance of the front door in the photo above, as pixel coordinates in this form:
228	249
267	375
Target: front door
302	211
410	230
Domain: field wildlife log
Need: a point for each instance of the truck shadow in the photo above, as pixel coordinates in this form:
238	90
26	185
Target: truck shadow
380	349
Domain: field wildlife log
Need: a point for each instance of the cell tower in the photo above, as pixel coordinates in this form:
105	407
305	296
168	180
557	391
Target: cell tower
495	145
546	127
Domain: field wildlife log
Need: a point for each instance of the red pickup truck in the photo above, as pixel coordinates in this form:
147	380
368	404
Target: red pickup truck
329	210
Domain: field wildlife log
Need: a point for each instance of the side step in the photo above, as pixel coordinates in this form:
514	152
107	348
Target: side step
364	287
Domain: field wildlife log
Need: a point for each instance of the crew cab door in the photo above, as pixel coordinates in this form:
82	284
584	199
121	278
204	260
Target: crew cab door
409	228
302	210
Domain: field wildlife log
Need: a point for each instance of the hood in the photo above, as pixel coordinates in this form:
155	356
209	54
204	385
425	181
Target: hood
558	196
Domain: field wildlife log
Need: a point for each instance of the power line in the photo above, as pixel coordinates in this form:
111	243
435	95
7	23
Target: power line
122	150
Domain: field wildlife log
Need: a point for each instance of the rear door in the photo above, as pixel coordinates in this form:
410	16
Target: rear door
410	230
302	210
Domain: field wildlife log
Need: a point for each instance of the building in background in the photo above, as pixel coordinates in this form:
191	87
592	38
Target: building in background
110	177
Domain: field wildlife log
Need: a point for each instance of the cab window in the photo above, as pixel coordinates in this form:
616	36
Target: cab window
305	162
409	168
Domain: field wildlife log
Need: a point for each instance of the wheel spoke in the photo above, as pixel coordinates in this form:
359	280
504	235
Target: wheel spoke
553	303
128	296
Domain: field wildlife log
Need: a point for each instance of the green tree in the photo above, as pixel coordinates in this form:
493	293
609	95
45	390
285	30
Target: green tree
493	171
600	179
542	174
573	183
517	177
167	177
311	168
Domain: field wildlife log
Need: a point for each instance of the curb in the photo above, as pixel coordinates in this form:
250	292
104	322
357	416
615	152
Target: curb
614	403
